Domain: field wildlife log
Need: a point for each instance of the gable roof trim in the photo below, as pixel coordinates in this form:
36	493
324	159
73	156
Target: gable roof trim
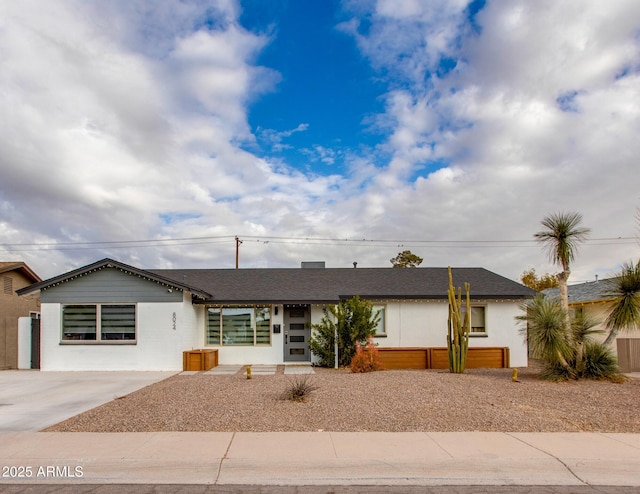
111	264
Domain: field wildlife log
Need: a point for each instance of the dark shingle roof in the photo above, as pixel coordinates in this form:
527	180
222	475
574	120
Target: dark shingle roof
313	285
590	291
331	284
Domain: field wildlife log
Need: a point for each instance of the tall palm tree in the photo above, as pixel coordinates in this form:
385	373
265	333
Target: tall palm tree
561	238
625	289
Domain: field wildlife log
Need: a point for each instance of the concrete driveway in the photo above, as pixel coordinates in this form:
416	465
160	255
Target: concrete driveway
32	400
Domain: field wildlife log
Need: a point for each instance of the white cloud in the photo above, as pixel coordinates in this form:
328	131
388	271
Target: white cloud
123	121
274	138
514	154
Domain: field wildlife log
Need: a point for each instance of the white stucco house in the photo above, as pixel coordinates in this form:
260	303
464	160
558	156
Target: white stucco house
112	316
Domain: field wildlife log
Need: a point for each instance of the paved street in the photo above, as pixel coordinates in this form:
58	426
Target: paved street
311	489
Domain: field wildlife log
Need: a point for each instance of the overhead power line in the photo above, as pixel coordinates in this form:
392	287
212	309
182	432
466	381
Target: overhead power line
324	241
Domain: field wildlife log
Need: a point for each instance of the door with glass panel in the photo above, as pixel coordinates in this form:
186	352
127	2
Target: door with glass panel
297	332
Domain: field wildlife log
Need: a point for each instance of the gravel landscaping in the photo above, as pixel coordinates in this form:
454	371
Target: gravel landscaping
392	401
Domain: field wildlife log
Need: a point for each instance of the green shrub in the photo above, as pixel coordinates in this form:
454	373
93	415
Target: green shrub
353	320
600	363
554	371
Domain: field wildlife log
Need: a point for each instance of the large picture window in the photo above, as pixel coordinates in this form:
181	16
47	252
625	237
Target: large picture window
238	326
99	322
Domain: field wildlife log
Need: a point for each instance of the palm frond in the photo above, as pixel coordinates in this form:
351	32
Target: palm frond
562	236
545	331
625	290
583	327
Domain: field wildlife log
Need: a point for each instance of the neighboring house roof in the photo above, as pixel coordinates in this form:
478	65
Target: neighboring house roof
110	263
591	291
5	267
315	285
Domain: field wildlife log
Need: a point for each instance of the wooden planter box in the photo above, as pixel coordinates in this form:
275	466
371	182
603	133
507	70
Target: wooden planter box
404	358
487	357
199	360
437	358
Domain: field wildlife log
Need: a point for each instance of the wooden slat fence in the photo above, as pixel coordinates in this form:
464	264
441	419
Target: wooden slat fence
436	358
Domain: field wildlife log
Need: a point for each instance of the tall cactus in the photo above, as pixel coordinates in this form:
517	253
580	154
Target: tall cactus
458	328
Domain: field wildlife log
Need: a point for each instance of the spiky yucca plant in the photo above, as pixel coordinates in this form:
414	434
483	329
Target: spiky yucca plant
549	342
625	290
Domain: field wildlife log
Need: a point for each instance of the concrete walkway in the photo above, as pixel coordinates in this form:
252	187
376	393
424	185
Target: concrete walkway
321	458
32	400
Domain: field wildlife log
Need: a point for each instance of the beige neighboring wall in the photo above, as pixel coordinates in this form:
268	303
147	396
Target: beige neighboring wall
599	311
13	276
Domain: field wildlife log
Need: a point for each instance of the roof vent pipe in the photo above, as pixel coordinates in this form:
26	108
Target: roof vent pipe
355	264
596	278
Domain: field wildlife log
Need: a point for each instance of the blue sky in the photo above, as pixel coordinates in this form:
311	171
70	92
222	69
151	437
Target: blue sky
319	109
155	133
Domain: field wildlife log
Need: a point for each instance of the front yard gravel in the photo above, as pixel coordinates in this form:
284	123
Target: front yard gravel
387	401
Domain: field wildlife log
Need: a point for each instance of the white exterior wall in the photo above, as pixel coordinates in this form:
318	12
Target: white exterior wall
159	346
424	324
24	343
160	342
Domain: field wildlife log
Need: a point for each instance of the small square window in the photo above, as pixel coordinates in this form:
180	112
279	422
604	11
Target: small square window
477	319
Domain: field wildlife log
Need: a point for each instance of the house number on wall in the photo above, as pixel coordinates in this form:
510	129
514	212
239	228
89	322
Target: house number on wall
173	317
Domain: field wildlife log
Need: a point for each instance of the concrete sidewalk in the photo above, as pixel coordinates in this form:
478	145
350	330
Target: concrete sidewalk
321	458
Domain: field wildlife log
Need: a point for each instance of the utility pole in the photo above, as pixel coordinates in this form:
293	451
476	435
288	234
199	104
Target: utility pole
238	242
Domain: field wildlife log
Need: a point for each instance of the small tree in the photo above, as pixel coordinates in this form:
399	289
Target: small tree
353	321
406	259
561	236
538	283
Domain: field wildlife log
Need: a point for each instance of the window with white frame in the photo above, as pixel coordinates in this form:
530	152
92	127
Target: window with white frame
381	328
478	325
238	326
110	323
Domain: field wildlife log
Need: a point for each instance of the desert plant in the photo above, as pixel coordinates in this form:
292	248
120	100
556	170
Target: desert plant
458	327
298	388
625	290
352	321
549	342
561	236
366	359
600	363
